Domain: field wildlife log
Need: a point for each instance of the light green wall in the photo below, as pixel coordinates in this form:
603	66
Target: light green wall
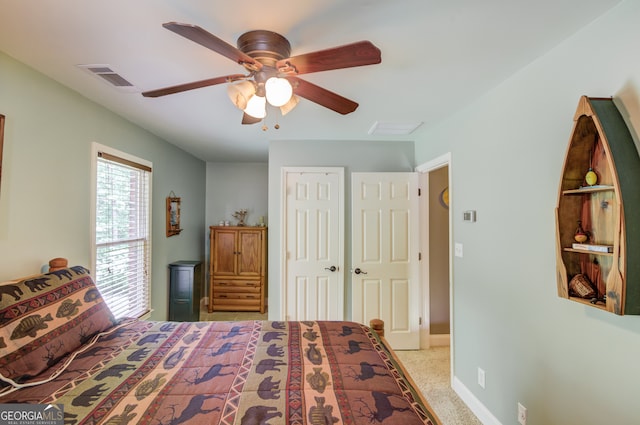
235	186
567	363
45	187
231	187
354	156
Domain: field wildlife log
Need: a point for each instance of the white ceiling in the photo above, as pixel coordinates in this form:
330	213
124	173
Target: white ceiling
437	57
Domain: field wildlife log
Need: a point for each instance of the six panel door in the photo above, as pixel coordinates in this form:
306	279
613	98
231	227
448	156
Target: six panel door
385	243
314	276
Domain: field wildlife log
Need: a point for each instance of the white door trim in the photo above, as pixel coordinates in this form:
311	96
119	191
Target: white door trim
283	226
423	169
425	263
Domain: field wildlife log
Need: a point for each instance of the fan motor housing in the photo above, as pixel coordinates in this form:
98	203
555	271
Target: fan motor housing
267	47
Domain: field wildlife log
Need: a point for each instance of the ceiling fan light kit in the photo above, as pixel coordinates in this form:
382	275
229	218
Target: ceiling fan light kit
257	106
240	93
272	74
287	107
278	91
249	98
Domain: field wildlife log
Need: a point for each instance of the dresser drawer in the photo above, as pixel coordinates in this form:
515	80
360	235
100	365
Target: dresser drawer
249	286
233	301
230	296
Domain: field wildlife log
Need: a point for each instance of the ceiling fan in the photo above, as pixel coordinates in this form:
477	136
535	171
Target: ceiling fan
272	74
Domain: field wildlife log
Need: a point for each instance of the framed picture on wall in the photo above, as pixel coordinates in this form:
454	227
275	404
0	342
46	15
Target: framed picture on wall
173	215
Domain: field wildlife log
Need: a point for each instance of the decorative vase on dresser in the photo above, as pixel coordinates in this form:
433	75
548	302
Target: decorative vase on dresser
237	268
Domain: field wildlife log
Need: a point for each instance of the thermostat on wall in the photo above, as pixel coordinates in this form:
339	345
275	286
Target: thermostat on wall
469	216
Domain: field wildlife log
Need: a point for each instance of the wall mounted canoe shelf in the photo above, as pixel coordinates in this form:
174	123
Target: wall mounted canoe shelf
597	216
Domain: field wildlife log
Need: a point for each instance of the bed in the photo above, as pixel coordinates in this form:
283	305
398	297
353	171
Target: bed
60	345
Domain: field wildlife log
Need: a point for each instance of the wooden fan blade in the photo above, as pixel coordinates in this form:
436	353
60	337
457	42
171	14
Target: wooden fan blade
248	119
194	85
321	96
347	56
210	41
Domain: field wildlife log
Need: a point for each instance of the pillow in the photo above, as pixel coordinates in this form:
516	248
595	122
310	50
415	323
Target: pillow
45	317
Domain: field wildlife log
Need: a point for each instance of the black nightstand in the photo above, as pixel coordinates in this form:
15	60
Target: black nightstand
185	280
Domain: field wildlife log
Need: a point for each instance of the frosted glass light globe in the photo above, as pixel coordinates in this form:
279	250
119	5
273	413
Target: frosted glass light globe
241	93
256	107
278	90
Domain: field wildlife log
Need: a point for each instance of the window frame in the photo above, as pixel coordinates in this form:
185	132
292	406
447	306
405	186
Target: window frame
96	148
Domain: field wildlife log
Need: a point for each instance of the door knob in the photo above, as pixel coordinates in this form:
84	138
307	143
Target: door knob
331	269
358	271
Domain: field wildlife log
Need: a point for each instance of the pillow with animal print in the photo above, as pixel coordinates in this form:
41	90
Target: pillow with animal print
45	317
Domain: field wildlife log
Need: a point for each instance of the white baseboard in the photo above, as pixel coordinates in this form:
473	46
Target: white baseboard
439	340
436	340
480	410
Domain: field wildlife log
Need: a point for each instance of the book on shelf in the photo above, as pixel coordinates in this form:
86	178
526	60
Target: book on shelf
592	247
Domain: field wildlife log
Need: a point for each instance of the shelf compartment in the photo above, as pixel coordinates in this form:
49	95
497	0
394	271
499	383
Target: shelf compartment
584	251
588	302
600	141
588	189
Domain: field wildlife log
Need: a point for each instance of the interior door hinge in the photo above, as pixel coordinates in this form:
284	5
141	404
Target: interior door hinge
420	321
419	192
419	256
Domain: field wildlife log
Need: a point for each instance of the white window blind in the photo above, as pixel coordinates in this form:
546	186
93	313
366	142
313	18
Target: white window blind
122	229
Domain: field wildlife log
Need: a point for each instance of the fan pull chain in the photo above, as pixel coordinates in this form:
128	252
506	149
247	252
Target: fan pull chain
277	125
264	125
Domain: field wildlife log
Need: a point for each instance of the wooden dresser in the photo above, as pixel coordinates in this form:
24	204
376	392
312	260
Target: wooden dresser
237	268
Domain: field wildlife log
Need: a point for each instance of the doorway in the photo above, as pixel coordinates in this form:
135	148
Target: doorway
435	242
385	279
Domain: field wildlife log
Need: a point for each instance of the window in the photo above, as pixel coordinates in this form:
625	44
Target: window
122	242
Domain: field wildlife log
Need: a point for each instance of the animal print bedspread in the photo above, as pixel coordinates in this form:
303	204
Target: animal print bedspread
250	372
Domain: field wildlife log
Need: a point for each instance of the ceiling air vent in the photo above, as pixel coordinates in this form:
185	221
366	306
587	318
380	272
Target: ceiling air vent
107	73
387	128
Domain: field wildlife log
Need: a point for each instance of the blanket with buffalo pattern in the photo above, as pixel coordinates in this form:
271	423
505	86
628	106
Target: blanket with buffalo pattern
60	345
248	372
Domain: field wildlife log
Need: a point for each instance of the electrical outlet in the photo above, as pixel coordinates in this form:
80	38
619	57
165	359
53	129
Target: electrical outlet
481	377
522	414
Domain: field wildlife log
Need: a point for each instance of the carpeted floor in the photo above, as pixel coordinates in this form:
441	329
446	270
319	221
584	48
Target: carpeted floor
430	371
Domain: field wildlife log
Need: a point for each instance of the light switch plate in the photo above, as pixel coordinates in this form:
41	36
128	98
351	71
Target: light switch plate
458	249
481	377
